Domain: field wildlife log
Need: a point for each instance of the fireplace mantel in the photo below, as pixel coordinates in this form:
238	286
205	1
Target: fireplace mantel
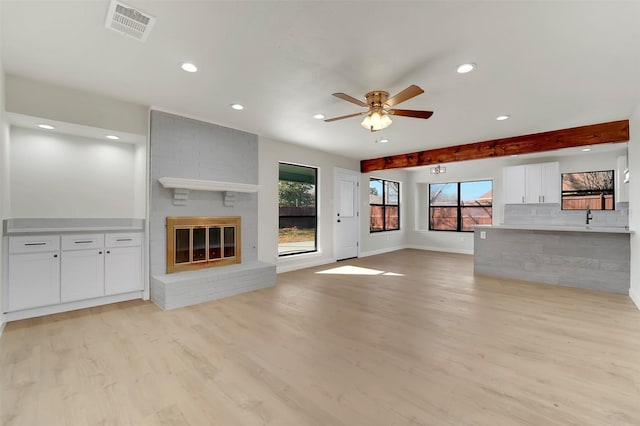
182	186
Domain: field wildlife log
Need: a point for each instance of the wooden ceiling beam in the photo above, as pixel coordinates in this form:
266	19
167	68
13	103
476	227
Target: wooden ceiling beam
611	132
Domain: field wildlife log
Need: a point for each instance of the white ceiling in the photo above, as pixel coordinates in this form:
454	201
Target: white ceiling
550	65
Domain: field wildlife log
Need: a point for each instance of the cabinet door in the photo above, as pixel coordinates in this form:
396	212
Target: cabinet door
123	270
533	178
514	184
34	280
82	275
551	185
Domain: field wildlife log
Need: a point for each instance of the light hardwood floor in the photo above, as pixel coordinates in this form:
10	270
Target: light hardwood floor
424	343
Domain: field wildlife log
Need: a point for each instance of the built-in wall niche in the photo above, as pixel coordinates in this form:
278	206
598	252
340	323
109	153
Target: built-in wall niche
74	171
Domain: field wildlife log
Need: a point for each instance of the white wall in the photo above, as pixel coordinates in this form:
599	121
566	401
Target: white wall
47	100
634	203
419	236
4	175
382	242
140	181
56	175
272	152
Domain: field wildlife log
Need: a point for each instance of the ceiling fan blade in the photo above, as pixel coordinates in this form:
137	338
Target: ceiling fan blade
351	99
405	95
345	116
411	113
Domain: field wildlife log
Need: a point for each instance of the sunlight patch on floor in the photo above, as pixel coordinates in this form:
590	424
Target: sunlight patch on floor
357	270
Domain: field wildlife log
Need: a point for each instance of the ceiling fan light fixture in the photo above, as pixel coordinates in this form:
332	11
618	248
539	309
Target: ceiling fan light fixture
376	121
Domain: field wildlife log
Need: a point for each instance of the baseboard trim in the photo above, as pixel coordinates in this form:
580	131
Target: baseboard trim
71	306
381	251
635	297
323	261
294	266
445	250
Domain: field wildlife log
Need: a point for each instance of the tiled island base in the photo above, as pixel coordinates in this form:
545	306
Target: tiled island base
589	260
172	291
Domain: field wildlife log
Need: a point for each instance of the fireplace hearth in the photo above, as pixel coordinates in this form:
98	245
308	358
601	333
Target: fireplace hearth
202	242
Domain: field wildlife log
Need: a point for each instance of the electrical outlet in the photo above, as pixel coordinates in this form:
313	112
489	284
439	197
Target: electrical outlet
483	235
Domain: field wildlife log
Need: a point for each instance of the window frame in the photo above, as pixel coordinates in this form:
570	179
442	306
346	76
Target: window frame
315	240
613	190
459	206
384	205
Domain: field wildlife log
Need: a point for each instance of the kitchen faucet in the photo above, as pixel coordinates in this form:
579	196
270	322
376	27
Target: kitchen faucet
589	215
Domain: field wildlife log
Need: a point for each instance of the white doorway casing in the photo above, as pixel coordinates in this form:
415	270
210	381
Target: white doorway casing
346	202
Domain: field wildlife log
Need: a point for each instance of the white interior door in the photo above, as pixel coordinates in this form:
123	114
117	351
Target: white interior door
346	199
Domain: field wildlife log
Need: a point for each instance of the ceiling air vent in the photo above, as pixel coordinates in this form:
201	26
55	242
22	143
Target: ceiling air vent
129	20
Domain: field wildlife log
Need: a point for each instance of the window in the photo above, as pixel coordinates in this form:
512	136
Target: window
297	194
384	203
459	206
588	190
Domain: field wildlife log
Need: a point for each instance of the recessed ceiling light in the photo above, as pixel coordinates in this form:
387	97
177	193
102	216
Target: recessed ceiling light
502	117
465	68
586	149
383	140
46	126
113	137
237	107
189	67
318	116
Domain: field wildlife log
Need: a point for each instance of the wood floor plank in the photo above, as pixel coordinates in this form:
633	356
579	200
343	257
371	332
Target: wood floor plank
405	338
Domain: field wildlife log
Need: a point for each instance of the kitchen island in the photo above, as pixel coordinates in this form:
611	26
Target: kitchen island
589	257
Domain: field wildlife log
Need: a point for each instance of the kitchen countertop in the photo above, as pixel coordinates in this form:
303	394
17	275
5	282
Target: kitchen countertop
560	228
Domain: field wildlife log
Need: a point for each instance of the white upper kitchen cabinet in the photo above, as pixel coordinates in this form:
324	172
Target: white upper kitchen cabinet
514	184
532	183
551	183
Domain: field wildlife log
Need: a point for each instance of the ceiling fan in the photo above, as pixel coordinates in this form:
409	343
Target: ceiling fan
380	105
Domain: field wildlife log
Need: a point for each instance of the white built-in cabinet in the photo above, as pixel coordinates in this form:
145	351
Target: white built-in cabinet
82	267
34	272
123	260
57	269
532	183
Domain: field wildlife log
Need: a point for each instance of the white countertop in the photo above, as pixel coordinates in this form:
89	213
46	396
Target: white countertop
49	225
561	228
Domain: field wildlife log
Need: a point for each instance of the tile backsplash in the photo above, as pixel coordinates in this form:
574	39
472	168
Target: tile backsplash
552	214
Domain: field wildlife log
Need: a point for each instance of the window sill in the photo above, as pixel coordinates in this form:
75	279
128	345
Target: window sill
381	233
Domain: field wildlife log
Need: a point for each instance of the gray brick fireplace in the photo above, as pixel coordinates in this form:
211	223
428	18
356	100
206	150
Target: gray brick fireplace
209	155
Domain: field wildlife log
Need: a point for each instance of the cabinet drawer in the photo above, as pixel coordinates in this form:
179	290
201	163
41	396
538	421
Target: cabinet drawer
129	239
34	243
82	241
